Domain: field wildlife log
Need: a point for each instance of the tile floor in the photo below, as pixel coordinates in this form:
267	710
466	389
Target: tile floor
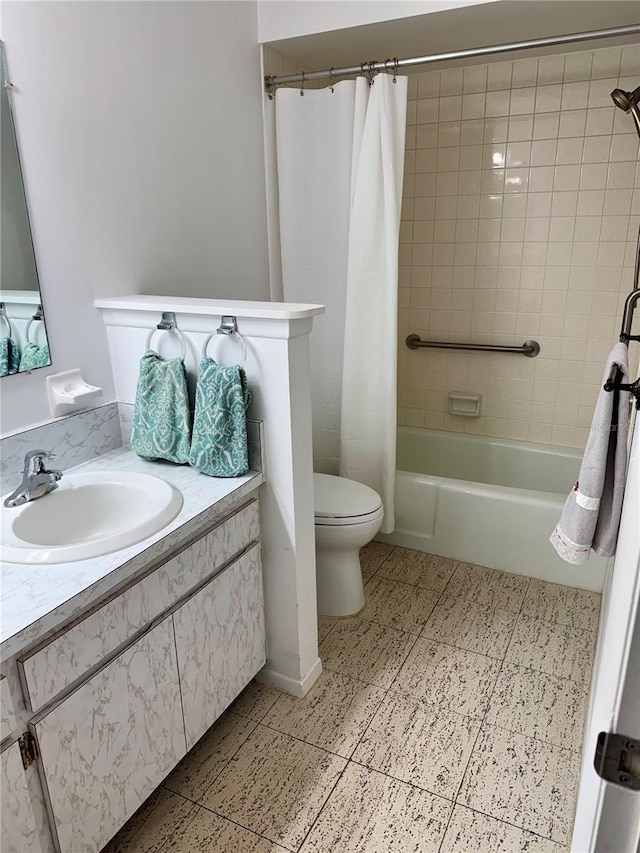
448	718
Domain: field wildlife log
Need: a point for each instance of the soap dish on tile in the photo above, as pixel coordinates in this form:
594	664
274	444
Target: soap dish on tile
465	405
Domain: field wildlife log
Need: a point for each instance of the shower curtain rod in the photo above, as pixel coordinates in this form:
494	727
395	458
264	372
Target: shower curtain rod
395	64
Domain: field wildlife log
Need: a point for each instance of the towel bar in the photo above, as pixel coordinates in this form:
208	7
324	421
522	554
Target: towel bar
613	382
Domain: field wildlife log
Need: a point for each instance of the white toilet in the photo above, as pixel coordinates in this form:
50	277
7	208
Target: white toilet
347	516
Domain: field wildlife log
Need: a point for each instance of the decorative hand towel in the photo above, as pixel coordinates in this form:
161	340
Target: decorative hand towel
219	444
591	515
9	356
161	419
34	356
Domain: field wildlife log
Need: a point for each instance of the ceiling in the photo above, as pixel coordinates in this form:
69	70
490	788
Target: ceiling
500	22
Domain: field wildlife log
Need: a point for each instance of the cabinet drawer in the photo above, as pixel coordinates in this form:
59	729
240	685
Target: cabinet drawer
109	744
54	666
9	722
220	642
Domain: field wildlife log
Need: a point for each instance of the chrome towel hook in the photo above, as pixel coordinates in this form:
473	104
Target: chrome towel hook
228	327
168	323
37	318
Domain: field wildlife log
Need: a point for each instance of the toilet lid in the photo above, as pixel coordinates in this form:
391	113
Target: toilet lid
337	497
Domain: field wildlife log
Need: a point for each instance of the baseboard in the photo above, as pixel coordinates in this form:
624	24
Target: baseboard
293	686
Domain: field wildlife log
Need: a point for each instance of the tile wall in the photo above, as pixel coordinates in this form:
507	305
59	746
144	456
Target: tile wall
520	216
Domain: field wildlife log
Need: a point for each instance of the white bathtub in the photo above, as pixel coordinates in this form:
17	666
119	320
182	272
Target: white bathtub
487	501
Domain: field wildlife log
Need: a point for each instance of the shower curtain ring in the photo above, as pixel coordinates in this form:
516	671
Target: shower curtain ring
331	89
396	65
370	71
302	86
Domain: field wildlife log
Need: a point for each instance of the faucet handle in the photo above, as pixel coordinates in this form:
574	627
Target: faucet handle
34	459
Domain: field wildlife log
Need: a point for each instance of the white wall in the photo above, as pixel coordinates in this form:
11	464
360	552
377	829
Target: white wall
283	19
141	139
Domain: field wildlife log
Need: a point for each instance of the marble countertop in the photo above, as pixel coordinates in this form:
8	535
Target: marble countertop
37	600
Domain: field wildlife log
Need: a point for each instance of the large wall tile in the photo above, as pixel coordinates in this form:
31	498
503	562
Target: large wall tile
506	173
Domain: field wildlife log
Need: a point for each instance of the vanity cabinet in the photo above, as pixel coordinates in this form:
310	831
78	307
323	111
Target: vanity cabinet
105	748
52	667
23	813
220	642
118	696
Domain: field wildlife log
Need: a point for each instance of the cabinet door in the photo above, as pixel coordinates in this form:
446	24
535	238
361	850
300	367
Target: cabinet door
24	820
54	665
110	743
220	642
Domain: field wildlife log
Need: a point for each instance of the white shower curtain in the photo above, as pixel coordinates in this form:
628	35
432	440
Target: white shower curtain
339	160
368	424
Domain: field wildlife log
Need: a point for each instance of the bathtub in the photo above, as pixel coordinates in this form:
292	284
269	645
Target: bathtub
487	501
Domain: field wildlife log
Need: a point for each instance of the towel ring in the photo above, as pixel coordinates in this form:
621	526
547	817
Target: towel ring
3	316
28	329
174	330
229	335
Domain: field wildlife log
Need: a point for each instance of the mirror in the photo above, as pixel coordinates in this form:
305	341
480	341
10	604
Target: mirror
23	335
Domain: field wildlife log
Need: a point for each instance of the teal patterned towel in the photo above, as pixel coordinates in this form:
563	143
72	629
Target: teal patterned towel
34	356
219	443
9	356
161	420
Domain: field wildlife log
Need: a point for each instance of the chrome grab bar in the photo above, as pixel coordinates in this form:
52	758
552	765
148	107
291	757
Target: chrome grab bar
528	348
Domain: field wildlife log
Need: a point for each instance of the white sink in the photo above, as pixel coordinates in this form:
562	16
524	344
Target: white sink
88	515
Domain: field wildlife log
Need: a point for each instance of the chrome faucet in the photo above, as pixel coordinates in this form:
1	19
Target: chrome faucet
36	479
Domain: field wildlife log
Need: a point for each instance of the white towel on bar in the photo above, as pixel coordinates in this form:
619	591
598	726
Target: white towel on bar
591	514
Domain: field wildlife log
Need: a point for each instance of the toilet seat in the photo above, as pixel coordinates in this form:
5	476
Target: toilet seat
339	501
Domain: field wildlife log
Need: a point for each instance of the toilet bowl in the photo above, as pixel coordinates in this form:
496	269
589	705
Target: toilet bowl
347	516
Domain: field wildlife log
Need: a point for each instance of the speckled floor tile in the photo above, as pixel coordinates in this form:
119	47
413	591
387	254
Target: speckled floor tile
488	587
152	825
325	626
522	781
398	605
563	604
372	556
364	650
444	675
418	743
472	832
556	649
418	568
201	765
485	630
371	813
333	715
255	700
205	832
539	705
275	786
